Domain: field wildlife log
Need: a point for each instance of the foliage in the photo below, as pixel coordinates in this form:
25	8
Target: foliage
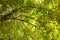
29	19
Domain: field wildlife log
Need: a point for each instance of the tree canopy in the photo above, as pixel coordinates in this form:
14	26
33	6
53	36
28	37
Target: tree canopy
29	19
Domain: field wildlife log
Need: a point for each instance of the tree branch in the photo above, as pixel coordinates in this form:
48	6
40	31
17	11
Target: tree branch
22	21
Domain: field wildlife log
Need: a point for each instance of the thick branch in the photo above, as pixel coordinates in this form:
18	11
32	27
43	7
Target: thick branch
8	15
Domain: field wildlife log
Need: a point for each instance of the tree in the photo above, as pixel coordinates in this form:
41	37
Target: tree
29	20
